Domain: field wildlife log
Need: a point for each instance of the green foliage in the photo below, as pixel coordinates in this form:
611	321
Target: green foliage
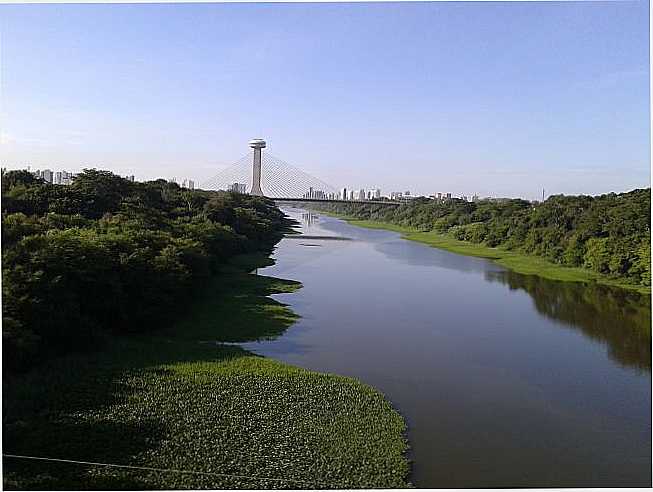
107	255
167	401
607	234
12	179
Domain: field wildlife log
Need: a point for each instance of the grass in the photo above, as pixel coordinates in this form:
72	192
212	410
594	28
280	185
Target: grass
520	263
178	400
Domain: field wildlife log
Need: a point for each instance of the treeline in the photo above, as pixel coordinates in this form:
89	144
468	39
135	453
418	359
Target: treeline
608	234
105	255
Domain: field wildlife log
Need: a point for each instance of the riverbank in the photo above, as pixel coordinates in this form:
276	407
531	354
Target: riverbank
520	263
198	413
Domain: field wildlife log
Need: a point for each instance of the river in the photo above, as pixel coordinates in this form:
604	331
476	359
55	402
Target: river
504	380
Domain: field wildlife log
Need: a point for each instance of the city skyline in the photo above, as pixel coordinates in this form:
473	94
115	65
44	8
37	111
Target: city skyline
64	177
493	99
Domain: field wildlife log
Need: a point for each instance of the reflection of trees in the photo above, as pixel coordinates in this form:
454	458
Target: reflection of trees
618	317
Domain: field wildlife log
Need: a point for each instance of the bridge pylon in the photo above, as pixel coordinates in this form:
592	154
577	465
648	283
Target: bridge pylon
257	144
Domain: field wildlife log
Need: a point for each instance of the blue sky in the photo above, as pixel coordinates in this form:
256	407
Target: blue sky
492	98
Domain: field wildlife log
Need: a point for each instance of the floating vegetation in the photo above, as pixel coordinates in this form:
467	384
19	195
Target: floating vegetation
169	402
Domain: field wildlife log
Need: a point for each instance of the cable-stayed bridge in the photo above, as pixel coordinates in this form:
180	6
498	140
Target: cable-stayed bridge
260	173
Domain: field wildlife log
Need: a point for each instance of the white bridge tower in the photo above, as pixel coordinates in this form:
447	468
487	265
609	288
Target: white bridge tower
257	144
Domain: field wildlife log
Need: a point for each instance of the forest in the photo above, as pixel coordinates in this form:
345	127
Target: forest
607	234
106	256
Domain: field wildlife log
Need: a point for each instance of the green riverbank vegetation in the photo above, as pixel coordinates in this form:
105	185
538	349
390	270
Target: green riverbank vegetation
119	300
107	256
572	238
179	399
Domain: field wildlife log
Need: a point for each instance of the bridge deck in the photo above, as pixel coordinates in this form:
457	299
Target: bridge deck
324	200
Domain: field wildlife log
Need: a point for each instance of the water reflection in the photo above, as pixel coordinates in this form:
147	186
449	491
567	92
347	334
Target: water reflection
309	219
618	317
406	252
504	380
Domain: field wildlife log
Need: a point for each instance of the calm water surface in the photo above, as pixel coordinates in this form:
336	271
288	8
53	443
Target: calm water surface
505	380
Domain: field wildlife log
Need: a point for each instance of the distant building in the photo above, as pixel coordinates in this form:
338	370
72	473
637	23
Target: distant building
191	183
343	194
395	195
312	194
47	175
58	177
361	194
236	187
67	178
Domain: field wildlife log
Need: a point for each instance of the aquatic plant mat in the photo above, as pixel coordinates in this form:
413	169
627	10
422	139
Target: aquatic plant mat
190	413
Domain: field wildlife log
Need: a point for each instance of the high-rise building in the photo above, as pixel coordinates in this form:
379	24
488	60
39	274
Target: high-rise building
314	194
376	193
238	188
351	194
58	176
343	194
47	175
191	184
361	194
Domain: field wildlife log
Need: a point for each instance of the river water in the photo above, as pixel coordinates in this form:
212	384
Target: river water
505	380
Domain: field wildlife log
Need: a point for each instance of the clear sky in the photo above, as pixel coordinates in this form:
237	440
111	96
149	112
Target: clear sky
498	99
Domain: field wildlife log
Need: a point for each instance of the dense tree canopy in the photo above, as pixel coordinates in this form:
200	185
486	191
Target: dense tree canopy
609	234
106	255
